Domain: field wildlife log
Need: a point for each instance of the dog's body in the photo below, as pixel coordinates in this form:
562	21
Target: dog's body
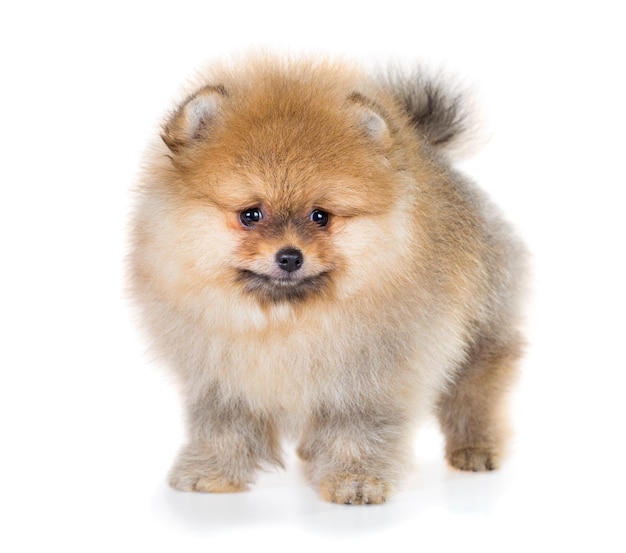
309	265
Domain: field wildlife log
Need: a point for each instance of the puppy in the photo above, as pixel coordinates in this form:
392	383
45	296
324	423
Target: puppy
309	265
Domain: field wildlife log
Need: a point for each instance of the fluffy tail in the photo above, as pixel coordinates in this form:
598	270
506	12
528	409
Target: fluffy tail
442	114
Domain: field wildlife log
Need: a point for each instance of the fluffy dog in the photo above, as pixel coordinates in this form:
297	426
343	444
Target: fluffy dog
310	266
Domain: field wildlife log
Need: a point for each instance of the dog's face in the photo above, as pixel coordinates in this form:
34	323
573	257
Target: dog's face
285	256
284	196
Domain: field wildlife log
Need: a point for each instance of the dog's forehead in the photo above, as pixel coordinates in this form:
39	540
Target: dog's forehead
293	153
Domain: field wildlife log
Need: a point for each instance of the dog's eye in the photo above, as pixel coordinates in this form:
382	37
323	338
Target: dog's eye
249	217
319	217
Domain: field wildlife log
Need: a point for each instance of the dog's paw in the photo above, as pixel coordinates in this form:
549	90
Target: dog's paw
196	477
354	489
474	459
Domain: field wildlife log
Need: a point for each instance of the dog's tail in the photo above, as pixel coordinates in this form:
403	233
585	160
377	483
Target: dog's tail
444	114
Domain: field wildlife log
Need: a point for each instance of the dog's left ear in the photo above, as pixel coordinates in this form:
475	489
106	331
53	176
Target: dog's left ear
194	119
371	119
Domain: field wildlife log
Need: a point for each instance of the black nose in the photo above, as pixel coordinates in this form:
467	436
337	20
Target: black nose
289	259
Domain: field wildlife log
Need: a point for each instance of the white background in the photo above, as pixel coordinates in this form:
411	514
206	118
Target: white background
88	426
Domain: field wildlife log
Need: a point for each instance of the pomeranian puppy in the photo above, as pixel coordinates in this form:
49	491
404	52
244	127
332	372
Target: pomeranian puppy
310	266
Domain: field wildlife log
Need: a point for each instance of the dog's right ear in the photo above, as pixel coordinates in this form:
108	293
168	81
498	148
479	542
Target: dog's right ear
193	120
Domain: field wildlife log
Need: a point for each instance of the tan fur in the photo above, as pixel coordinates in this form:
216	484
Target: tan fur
407	301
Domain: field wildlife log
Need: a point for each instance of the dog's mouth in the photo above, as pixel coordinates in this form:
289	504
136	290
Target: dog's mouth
289	287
